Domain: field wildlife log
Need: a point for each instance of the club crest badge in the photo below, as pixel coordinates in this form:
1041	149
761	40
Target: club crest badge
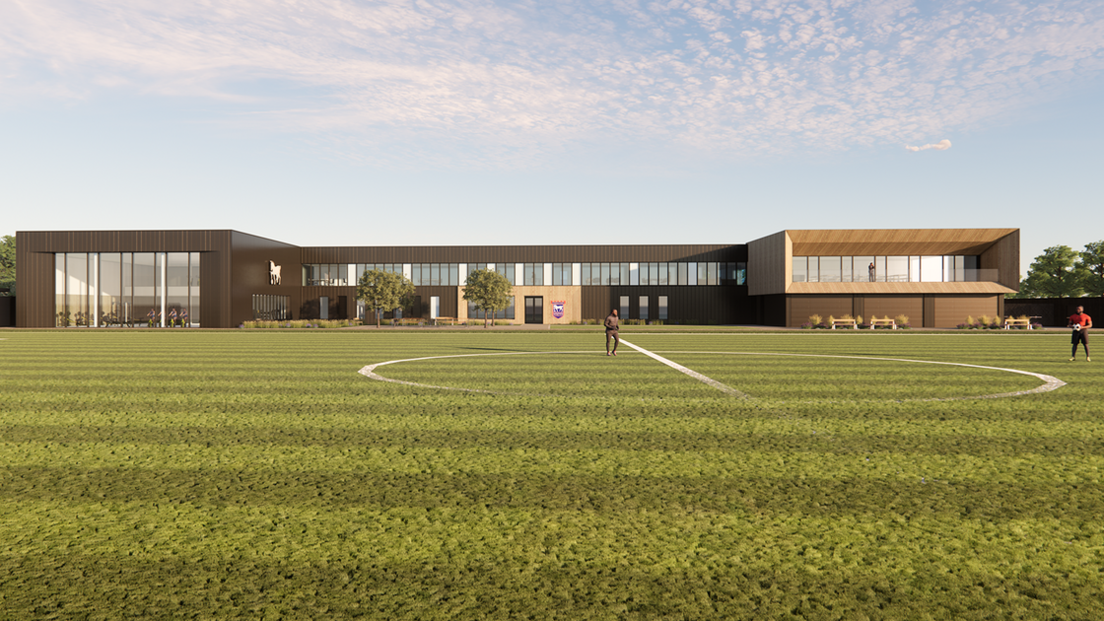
558	310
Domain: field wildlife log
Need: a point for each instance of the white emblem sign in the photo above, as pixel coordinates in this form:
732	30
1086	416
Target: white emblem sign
273	273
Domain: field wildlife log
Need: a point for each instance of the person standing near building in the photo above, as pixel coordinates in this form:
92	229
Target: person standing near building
172	317
1080	322
611	332
870	271
184	318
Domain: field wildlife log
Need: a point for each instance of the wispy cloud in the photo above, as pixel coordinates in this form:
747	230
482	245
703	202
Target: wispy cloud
513	82
942	145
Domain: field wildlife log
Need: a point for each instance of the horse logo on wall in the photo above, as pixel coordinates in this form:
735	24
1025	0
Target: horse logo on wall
273	273
558	309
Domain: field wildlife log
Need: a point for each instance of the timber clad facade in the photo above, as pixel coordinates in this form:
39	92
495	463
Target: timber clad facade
223	278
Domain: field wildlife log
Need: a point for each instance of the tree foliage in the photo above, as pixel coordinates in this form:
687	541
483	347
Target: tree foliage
1091	267
1053	274
489	291
383	291
7	263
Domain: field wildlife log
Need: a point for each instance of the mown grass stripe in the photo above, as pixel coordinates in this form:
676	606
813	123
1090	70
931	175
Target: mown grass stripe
906	497
761	440
531	461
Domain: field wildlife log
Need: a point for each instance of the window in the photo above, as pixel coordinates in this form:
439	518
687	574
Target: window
533	274
682	278
123	288
931	269
506	313
644	307
507	270
741	273
624	303
561	274
662	308
800	269
829	269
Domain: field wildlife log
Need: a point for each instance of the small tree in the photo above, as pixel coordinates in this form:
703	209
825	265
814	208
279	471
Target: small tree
1091	267
1053	275
7	263
489	291
384	291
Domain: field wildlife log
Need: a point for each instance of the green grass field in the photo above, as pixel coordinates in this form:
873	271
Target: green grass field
154	474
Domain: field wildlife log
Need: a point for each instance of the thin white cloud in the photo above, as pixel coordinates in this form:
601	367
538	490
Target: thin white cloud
942	145
517	82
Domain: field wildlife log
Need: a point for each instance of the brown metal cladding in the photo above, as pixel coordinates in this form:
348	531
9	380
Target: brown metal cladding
702	304
524	254
248	271
36	249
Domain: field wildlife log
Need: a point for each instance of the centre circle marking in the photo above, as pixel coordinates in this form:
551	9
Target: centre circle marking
1049	382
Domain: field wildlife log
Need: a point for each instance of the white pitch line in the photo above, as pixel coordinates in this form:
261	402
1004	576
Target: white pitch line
1050	382
370	370
694	374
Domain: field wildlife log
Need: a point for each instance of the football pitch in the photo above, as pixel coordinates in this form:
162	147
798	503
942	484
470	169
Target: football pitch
332	474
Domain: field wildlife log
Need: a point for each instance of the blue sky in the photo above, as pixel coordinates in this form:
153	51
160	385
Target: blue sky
330	122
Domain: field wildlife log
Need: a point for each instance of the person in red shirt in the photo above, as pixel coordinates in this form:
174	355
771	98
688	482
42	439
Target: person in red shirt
1080	322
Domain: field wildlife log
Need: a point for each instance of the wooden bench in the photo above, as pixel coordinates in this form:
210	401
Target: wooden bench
1012	322
883	322
845	322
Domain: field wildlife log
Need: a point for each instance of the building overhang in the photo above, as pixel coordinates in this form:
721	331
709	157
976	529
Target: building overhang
860	242
897	288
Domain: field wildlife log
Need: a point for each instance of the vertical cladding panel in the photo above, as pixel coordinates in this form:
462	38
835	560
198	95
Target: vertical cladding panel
597	301
767	264
801	307
523	254
883	306
949	312
1004	256
35	281
249	273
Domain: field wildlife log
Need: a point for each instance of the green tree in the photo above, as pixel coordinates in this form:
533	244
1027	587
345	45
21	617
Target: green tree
383	291
1091	266
1053	274
489	291
7	263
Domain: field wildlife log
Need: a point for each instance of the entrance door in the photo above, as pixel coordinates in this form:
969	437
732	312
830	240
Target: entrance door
534	309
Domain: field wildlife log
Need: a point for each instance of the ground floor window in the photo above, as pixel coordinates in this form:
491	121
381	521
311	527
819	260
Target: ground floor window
99	289
506	313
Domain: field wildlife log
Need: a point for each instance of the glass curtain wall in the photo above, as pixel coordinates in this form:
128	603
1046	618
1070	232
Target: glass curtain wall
907	268
127	289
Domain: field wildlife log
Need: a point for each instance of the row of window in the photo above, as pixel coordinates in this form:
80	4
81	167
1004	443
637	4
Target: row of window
539	274
957	268
126	288
643	313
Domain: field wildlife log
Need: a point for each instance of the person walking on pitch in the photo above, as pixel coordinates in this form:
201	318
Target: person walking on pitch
611	332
